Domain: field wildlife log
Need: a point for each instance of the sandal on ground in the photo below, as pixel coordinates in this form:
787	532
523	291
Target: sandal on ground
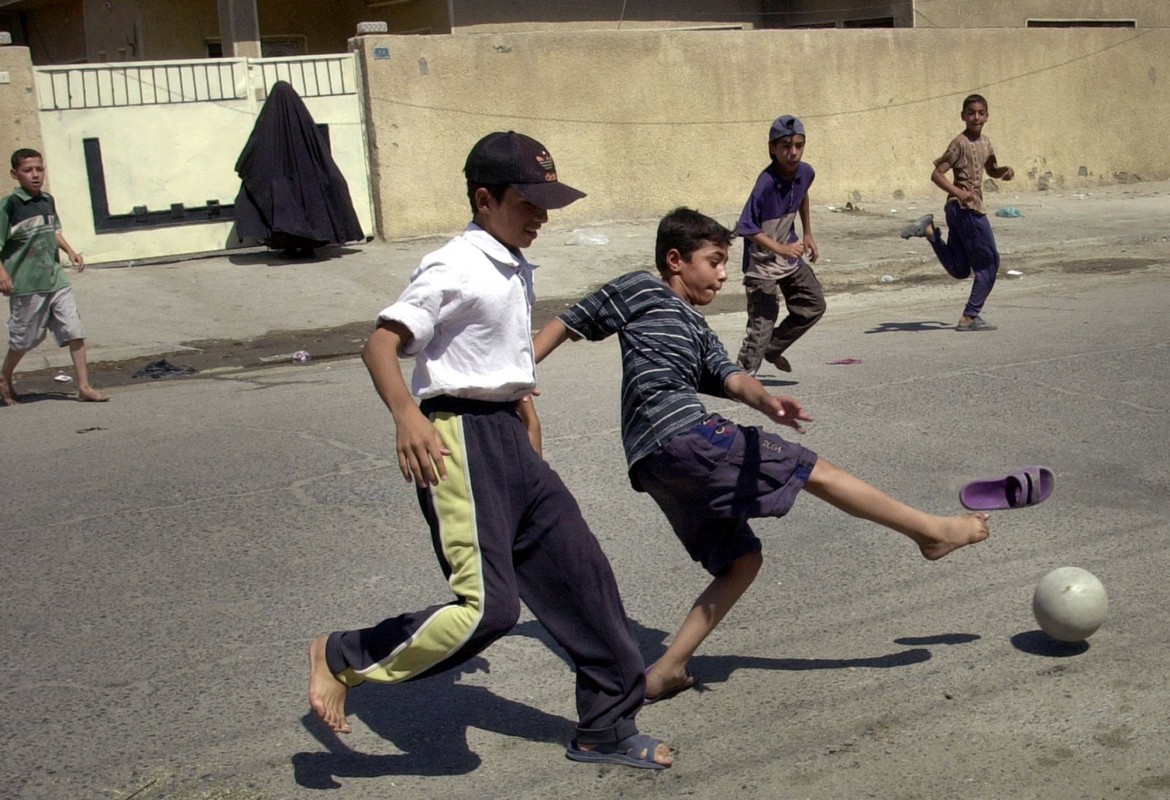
779	362
672	692
635	751
977	324
918	227
1029	486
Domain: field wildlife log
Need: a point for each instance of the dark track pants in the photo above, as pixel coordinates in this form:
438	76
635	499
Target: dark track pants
506	529
969	249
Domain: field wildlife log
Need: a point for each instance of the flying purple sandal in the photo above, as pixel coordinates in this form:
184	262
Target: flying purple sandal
1029	486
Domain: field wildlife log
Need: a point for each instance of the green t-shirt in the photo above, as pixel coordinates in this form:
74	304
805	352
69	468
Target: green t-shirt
28	243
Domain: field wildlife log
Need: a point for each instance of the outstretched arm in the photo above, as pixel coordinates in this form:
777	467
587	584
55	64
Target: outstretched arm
420	450
549	338
779	408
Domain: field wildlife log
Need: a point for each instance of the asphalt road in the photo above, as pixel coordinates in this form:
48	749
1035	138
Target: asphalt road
169	555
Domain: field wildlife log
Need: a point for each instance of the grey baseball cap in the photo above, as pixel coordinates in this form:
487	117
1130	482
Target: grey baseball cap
786	125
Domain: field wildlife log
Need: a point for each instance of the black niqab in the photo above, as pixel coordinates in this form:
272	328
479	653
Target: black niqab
293	195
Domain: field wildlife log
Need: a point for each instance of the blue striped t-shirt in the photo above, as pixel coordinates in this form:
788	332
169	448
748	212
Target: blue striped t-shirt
669	357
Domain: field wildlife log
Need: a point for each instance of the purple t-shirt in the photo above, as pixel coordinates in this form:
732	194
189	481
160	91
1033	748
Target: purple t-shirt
772	209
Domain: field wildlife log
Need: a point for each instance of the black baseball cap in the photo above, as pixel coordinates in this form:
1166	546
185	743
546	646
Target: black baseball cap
520	162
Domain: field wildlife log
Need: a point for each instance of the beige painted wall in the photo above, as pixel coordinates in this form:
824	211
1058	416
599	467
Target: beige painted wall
1015	14
645	121
20	124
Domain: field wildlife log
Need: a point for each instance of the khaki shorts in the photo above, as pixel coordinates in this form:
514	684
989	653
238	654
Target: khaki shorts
34	315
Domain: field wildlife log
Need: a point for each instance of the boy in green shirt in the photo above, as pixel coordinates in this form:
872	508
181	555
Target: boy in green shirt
40	298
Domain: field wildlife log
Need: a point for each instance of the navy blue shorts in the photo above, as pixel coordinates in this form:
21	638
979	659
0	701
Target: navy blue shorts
712	478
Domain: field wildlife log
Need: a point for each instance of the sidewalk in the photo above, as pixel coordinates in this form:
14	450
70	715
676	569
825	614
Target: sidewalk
145	310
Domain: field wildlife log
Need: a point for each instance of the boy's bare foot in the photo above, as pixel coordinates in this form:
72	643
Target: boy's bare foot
660	685
8	395
326	693
953	533
91	395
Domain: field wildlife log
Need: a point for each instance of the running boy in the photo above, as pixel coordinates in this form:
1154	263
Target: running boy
503	524
709	475
971	245
40	298
774	265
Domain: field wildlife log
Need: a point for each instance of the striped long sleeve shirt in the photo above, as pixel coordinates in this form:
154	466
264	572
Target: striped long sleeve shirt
669	357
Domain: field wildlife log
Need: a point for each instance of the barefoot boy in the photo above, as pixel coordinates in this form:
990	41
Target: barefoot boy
503	524
40	298
709	475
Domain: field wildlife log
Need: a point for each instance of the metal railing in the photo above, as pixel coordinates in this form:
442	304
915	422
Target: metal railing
310	76
124	85
84	86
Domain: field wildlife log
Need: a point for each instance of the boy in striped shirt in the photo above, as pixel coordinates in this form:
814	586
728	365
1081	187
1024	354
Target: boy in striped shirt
709	475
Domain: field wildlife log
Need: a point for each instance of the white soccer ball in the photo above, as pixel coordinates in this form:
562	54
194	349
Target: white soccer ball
1070	604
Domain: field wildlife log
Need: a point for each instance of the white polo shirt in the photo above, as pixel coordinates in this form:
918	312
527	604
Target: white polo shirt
468	308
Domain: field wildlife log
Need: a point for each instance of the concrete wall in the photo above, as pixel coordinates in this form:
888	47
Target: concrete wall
645	121
177	28
56	33
113	31
1015	14
20	124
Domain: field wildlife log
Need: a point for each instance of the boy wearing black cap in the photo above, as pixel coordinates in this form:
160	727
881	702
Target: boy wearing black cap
774	264
503	524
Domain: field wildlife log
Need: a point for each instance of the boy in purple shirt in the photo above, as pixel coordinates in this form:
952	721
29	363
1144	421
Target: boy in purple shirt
774	263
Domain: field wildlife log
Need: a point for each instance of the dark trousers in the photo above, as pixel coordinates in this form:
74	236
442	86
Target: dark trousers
804	299
969	250
506	530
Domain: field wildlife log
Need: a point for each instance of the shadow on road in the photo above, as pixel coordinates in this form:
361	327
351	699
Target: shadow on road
912	327
1039	643
427	721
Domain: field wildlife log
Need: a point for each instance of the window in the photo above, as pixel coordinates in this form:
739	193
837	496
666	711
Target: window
876	22
1082	23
